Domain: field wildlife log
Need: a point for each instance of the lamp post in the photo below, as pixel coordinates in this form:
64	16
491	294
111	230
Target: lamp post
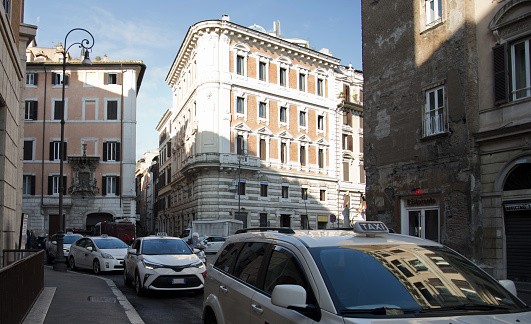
85	45
241	155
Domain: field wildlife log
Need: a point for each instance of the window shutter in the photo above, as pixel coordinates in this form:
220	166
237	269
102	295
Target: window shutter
64	152
105	78
32	185
104	151
119	78
64	185
65	79
103	186
168	149
54	78
118	151
118	193
51	151
35	78
501	82
50	185
35	109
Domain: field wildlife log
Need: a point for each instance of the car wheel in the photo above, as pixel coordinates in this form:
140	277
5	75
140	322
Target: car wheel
138	286
127	281
72	263
96	266
210	317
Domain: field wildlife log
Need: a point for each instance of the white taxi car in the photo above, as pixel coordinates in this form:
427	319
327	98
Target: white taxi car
362	275
99	253
163	263
51	245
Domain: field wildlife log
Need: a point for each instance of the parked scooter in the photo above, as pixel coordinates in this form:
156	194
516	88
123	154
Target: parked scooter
40	242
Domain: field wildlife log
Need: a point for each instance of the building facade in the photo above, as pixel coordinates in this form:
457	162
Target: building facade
15	36
144	193
100	140
254	132
447	98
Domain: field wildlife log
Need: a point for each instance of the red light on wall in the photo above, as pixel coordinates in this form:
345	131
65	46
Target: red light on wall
417	192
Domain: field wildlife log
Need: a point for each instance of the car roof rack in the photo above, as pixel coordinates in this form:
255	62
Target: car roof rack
283	230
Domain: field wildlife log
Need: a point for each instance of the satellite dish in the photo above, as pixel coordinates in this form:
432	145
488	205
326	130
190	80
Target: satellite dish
258	28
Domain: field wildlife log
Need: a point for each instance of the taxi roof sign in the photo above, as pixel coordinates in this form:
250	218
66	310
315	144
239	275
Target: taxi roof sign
370	228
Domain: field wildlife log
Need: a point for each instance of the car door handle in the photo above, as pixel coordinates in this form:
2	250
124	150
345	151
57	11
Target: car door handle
224	289
257	308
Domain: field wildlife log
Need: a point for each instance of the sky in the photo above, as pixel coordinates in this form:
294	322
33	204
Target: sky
152	31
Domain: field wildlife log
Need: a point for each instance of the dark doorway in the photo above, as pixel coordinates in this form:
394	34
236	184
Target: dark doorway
285	220
518	243
242	217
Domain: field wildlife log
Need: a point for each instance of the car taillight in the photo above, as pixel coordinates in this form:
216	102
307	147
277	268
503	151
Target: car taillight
204	275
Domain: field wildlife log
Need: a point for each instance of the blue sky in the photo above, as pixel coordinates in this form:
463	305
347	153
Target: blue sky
152	31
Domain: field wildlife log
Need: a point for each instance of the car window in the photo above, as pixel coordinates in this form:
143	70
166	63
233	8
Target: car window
81	242
106	243
283	269
249	262
165	246
136	245
227	257
70	239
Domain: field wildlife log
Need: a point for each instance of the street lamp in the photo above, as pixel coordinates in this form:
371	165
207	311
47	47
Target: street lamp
60	262
241	156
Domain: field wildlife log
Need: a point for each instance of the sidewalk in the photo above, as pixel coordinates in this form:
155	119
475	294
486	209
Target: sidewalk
71	297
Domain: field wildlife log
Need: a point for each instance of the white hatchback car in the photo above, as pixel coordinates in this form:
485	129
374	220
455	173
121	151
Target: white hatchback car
163	263
212	244
362	275
99	253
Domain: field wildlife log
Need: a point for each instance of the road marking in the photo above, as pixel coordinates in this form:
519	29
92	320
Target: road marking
40	308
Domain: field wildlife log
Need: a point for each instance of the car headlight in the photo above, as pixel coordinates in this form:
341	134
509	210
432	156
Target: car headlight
197	264
151	265
106	255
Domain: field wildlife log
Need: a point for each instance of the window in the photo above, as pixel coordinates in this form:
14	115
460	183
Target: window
283	77
320	123
263	189
239	65
28	185
362	174
7	7
521	69
58	110
283	114
346	169
262	110
347	142
320	158
112	110
284	268
347	118
53	185
240	145
304	193
31	78
434	113
285	191
302	82
283	152
304	222
241	187
28	150
263	219
320	89
433	12
240	105
322	195
112	78
423	223
57	79
249	262
262	71
302	155
111	185
111	151
30	110
55	151
302	118
263	150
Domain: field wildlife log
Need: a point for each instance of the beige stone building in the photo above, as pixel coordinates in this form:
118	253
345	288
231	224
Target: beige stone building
100	140
15	37
255	132
447	125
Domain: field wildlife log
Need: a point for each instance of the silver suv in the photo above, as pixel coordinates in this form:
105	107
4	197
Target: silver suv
350	276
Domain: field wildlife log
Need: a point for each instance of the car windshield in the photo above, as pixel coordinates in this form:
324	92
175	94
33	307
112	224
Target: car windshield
397	280
165	246
69	239
109	243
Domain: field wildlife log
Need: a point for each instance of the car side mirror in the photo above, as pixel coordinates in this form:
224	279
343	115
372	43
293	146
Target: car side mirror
196	250
288	295
89	248
54	242
509	285
131	251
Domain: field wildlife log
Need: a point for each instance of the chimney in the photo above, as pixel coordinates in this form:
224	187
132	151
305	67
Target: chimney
105	58
225	17
276	28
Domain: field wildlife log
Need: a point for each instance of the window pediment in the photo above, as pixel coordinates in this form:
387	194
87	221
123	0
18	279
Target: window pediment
512	20
285	134
242	127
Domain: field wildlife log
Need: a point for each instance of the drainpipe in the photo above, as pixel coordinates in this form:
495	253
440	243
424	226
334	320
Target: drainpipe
43	135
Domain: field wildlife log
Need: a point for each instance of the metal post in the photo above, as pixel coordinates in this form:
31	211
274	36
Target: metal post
60	262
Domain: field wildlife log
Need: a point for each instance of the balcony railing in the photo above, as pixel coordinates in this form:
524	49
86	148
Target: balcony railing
434	125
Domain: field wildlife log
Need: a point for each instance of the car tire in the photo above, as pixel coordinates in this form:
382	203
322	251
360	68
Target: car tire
72	263
138	286
96	266
127	280
210	317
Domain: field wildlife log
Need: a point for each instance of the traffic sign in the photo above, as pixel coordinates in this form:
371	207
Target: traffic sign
332	218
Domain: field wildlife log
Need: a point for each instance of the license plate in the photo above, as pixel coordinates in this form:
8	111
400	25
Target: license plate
178	281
